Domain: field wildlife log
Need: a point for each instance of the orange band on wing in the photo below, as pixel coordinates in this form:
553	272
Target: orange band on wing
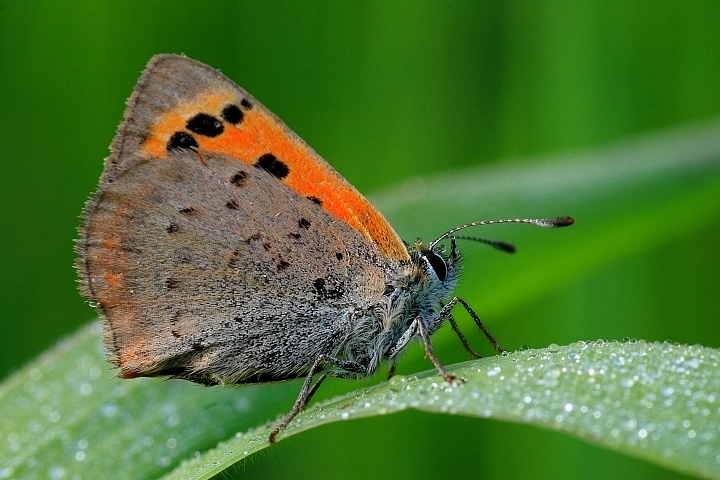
259	134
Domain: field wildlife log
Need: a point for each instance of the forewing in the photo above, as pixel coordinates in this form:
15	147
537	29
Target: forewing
179	102
219	246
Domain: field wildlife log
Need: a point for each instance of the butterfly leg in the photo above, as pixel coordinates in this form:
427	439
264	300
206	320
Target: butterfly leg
460	335
462	338
425	334
417	326
391	369
348	369
445	313
480	325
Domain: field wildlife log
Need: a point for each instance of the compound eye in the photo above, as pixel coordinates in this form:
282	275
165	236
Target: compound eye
437	264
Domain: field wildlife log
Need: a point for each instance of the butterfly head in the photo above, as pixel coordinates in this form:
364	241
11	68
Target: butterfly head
435	264
435	274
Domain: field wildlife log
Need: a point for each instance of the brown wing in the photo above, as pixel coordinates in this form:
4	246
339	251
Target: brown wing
217	272
219	245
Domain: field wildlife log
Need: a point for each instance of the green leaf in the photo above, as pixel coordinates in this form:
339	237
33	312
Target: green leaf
66	415
657	401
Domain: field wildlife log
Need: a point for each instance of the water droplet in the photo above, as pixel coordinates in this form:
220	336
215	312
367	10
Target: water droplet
242	404
56	473
398	383
627	382
109	410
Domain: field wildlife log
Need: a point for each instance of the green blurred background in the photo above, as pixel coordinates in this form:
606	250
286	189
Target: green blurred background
385	91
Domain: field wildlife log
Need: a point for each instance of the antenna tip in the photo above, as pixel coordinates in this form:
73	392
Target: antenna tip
561	221
504	246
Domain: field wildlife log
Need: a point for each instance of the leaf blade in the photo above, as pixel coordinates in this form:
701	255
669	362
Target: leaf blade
657	401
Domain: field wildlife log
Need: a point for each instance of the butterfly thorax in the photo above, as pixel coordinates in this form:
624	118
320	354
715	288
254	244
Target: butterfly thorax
415	290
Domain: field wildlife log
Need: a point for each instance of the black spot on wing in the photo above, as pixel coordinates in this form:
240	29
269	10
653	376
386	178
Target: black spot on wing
315	200
206	125
323	292
246	103
232	204
234	258
239	179
304	223
181	141
232	114
173	227
319	284
273	166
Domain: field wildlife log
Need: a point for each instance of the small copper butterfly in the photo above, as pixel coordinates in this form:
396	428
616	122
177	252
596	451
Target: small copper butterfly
221	249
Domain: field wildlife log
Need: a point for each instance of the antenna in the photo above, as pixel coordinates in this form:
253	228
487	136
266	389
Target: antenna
504	246
540	222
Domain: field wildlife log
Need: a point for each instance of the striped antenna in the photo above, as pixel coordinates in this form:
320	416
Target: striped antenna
540	222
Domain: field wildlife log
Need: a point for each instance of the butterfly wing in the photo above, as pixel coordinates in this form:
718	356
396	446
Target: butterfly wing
219	247
181	102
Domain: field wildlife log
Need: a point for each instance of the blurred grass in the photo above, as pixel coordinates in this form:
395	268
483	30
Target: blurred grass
388	92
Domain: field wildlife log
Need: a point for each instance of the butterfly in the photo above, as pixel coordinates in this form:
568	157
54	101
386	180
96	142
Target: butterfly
221	249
